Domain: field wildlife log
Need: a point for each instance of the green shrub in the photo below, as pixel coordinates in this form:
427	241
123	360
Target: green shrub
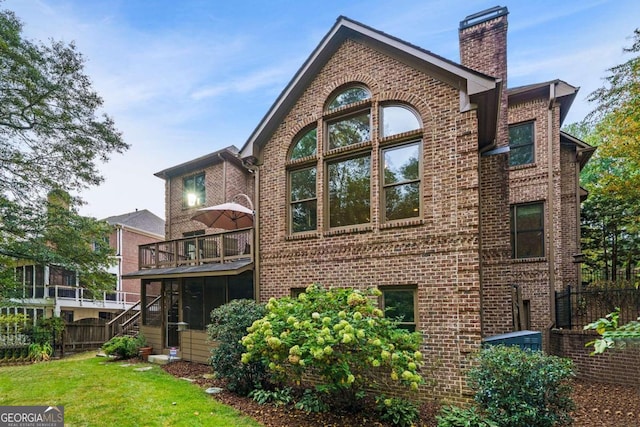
311	401
397	411
48	330
522	387
338	335
277	397
229	324
12	321
40	352
453	416
123	347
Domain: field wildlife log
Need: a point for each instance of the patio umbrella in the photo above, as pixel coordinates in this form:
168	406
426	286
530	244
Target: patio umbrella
228	216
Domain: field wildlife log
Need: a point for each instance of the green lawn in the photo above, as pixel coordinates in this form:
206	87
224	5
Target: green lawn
95	392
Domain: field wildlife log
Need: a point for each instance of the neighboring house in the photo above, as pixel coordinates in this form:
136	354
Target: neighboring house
383	164
129	231
50	290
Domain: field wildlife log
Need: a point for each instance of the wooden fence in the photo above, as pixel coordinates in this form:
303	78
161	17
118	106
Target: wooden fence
84	334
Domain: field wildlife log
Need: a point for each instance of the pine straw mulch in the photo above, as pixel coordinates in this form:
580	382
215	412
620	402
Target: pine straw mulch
596	405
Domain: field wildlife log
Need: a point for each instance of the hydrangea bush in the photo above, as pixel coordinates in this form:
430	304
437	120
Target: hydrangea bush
338	335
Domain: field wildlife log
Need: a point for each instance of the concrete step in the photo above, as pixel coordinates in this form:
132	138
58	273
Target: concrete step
162	359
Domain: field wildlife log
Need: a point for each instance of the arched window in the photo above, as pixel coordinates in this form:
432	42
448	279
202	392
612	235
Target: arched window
349	96
348	177
397	119
305	146
302	183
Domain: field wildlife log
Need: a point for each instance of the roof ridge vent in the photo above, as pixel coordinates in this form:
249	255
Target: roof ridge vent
483	16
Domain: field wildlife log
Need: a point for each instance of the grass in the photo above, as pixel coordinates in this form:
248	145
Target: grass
96	392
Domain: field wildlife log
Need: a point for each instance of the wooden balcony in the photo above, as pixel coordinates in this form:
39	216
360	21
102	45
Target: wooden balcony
220	247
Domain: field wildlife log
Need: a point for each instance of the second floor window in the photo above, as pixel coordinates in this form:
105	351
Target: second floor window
349	191
193	191
302	183
339	155
527	230
401	181
521	147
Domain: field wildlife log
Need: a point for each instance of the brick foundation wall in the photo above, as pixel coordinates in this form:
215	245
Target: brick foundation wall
612	367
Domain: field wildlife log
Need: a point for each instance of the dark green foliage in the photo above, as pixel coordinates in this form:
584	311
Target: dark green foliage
48	330
277	397
519	388
397	411
123	347
452	416
229	324
311	401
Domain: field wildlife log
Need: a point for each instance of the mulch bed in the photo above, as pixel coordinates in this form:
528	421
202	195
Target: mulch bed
596	405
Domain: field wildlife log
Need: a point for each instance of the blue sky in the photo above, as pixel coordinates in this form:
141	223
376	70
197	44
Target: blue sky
183	78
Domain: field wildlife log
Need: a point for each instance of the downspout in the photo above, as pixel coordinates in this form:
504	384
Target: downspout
255	171
551	210
224	178
167	210
256	231
119	255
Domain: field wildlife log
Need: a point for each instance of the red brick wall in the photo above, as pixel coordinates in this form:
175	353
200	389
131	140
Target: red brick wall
438	254
223	181
611	367
483	47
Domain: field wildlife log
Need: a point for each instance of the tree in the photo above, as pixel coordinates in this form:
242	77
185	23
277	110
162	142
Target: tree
611	213
51	138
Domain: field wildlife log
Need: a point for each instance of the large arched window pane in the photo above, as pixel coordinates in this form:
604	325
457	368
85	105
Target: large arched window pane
349	96
305	146
350	191
401	181
349	131
397	119
303	205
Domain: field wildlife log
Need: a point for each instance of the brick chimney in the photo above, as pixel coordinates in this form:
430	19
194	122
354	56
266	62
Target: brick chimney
483	47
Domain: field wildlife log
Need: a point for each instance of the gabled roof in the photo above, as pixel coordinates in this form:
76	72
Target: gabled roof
476	89
228	153
553	90
142	220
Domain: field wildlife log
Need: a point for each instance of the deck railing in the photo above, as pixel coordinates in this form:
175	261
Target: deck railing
82	296
210	248
577	307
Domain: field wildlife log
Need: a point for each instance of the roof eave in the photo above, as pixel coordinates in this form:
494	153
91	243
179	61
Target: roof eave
228	153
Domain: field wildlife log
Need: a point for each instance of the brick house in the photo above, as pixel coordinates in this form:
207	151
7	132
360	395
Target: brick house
130	230
383	164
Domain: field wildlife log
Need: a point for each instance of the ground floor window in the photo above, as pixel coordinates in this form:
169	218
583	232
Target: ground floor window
399	302
200	295
67	316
